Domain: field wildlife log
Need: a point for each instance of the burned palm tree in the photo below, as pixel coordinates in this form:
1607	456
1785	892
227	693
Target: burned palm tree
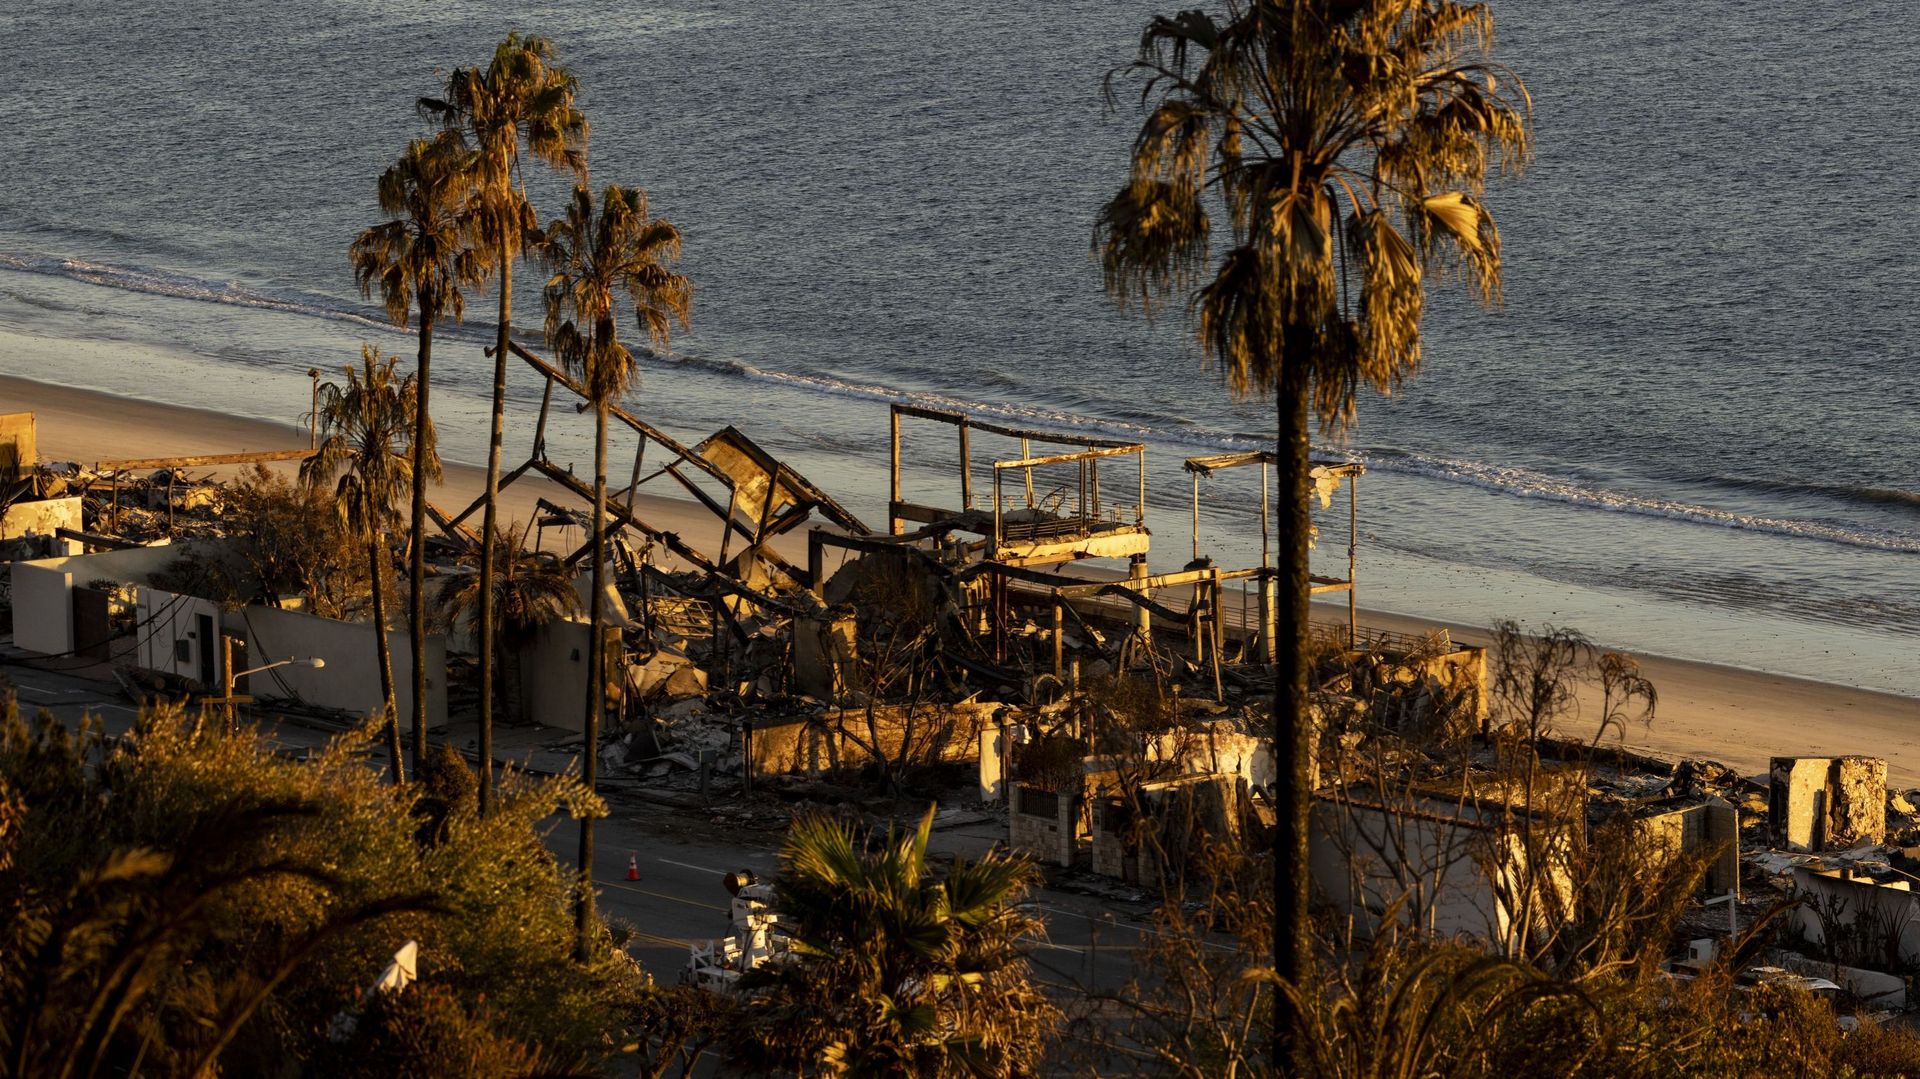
366	452
595	256
1344	146
520	98
419	260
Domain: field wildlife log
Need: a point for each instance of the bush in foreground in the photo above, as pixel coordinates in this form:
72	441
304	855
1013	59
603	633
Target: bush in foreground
174	898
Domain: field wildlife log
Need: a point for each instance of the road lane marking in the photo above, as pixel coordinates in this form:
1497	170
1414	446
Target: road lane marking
667	942
701	868
625	887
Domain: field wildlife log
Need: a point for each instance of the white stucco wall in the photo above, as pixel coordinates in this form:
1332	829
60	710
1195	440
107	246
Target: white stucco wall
169	637
43	606
351	679
553	670
42	590
1363	859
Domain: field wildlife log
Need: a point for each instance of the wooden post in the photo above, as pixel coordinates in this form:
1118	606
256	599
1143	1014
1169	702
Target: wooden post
1219	633
994	551
1059	630
1266	520
893	487
966	468
726	525
999	618
1140	508
1026	451
540	429
1196	516
1143	618
817	563
313	414
1269	624
1353	544
633	485
226	668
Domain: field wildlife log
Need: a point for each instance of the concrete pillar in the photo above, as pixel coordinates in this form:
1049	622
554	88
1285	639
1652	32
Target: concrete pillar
1797	802
992	771
1143	619
1723	829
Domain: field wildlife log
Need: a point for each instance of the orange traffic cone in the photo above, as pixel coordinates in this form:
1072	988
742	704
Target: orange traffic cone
633	867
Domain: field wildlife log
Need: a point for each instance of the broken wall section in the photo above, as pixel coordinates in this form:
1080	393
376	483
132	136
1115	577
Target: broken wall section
1818	803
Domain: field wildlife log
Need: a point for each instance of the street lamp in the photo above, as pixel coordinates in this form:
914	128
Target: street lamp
231	701
313	415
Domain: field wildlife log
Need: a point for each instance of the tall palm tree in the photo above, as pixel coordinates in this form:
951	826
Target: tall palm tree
420	260
522	95
367	444
594	256
894	970
529	589
1346	143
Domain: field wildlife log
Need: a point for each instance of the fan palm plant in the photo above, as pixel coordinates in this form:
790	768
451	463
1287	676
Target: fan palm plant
529	589
366	452
895	971
420	259
1346	144
595	256
520	96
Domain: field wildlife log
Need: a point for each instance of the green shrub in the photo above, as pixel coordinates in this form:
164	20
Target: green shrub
183	874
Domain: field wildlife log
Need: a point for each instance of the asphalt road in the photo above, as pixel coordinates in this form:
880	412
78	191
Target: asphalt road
680	900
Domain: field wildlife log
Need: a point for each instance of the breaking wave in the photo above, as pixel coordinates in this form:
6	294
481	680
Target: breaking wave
1841	492
1037	416
187	287
1531	483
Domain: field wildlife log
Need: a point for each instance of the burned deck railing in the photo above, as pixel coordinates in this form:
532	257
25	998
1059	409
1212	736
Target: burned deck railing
1021	522
1325	477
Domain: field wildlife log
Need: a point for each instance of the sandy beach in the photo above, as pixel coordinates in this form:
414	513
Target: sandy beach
1735	716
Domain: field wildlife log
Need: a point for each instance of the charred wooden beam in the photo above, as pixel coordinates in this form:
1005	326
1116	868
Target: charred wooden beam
205	460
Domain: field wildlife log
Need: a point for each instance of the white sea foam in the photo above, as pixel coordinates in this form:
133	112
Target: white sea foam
154	282
1532	483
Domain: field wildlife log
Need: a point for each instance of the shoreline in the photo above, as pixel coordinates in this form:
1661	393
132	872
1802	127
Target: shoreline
1734	715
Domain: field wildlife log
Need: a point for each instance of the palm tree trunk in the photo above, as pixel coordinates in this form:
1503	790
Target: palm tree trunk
1292	721
375	555
417	541
596	675
488	530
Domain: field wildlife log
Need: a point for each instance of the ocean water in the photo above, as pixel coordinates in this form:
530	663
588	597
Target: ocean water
1692	429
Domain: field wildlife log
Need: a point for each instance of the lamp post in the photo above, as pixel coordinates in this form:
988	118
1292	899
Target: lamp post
313	413
232	702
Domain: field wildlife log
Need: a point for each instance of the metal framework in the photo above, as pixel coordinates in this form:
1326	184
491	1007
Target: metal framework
764	498
1025	528
1326	477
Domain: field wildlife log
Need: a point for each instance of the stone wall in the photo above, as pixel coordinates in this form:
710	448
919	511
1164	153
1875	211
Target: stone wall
1043	823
